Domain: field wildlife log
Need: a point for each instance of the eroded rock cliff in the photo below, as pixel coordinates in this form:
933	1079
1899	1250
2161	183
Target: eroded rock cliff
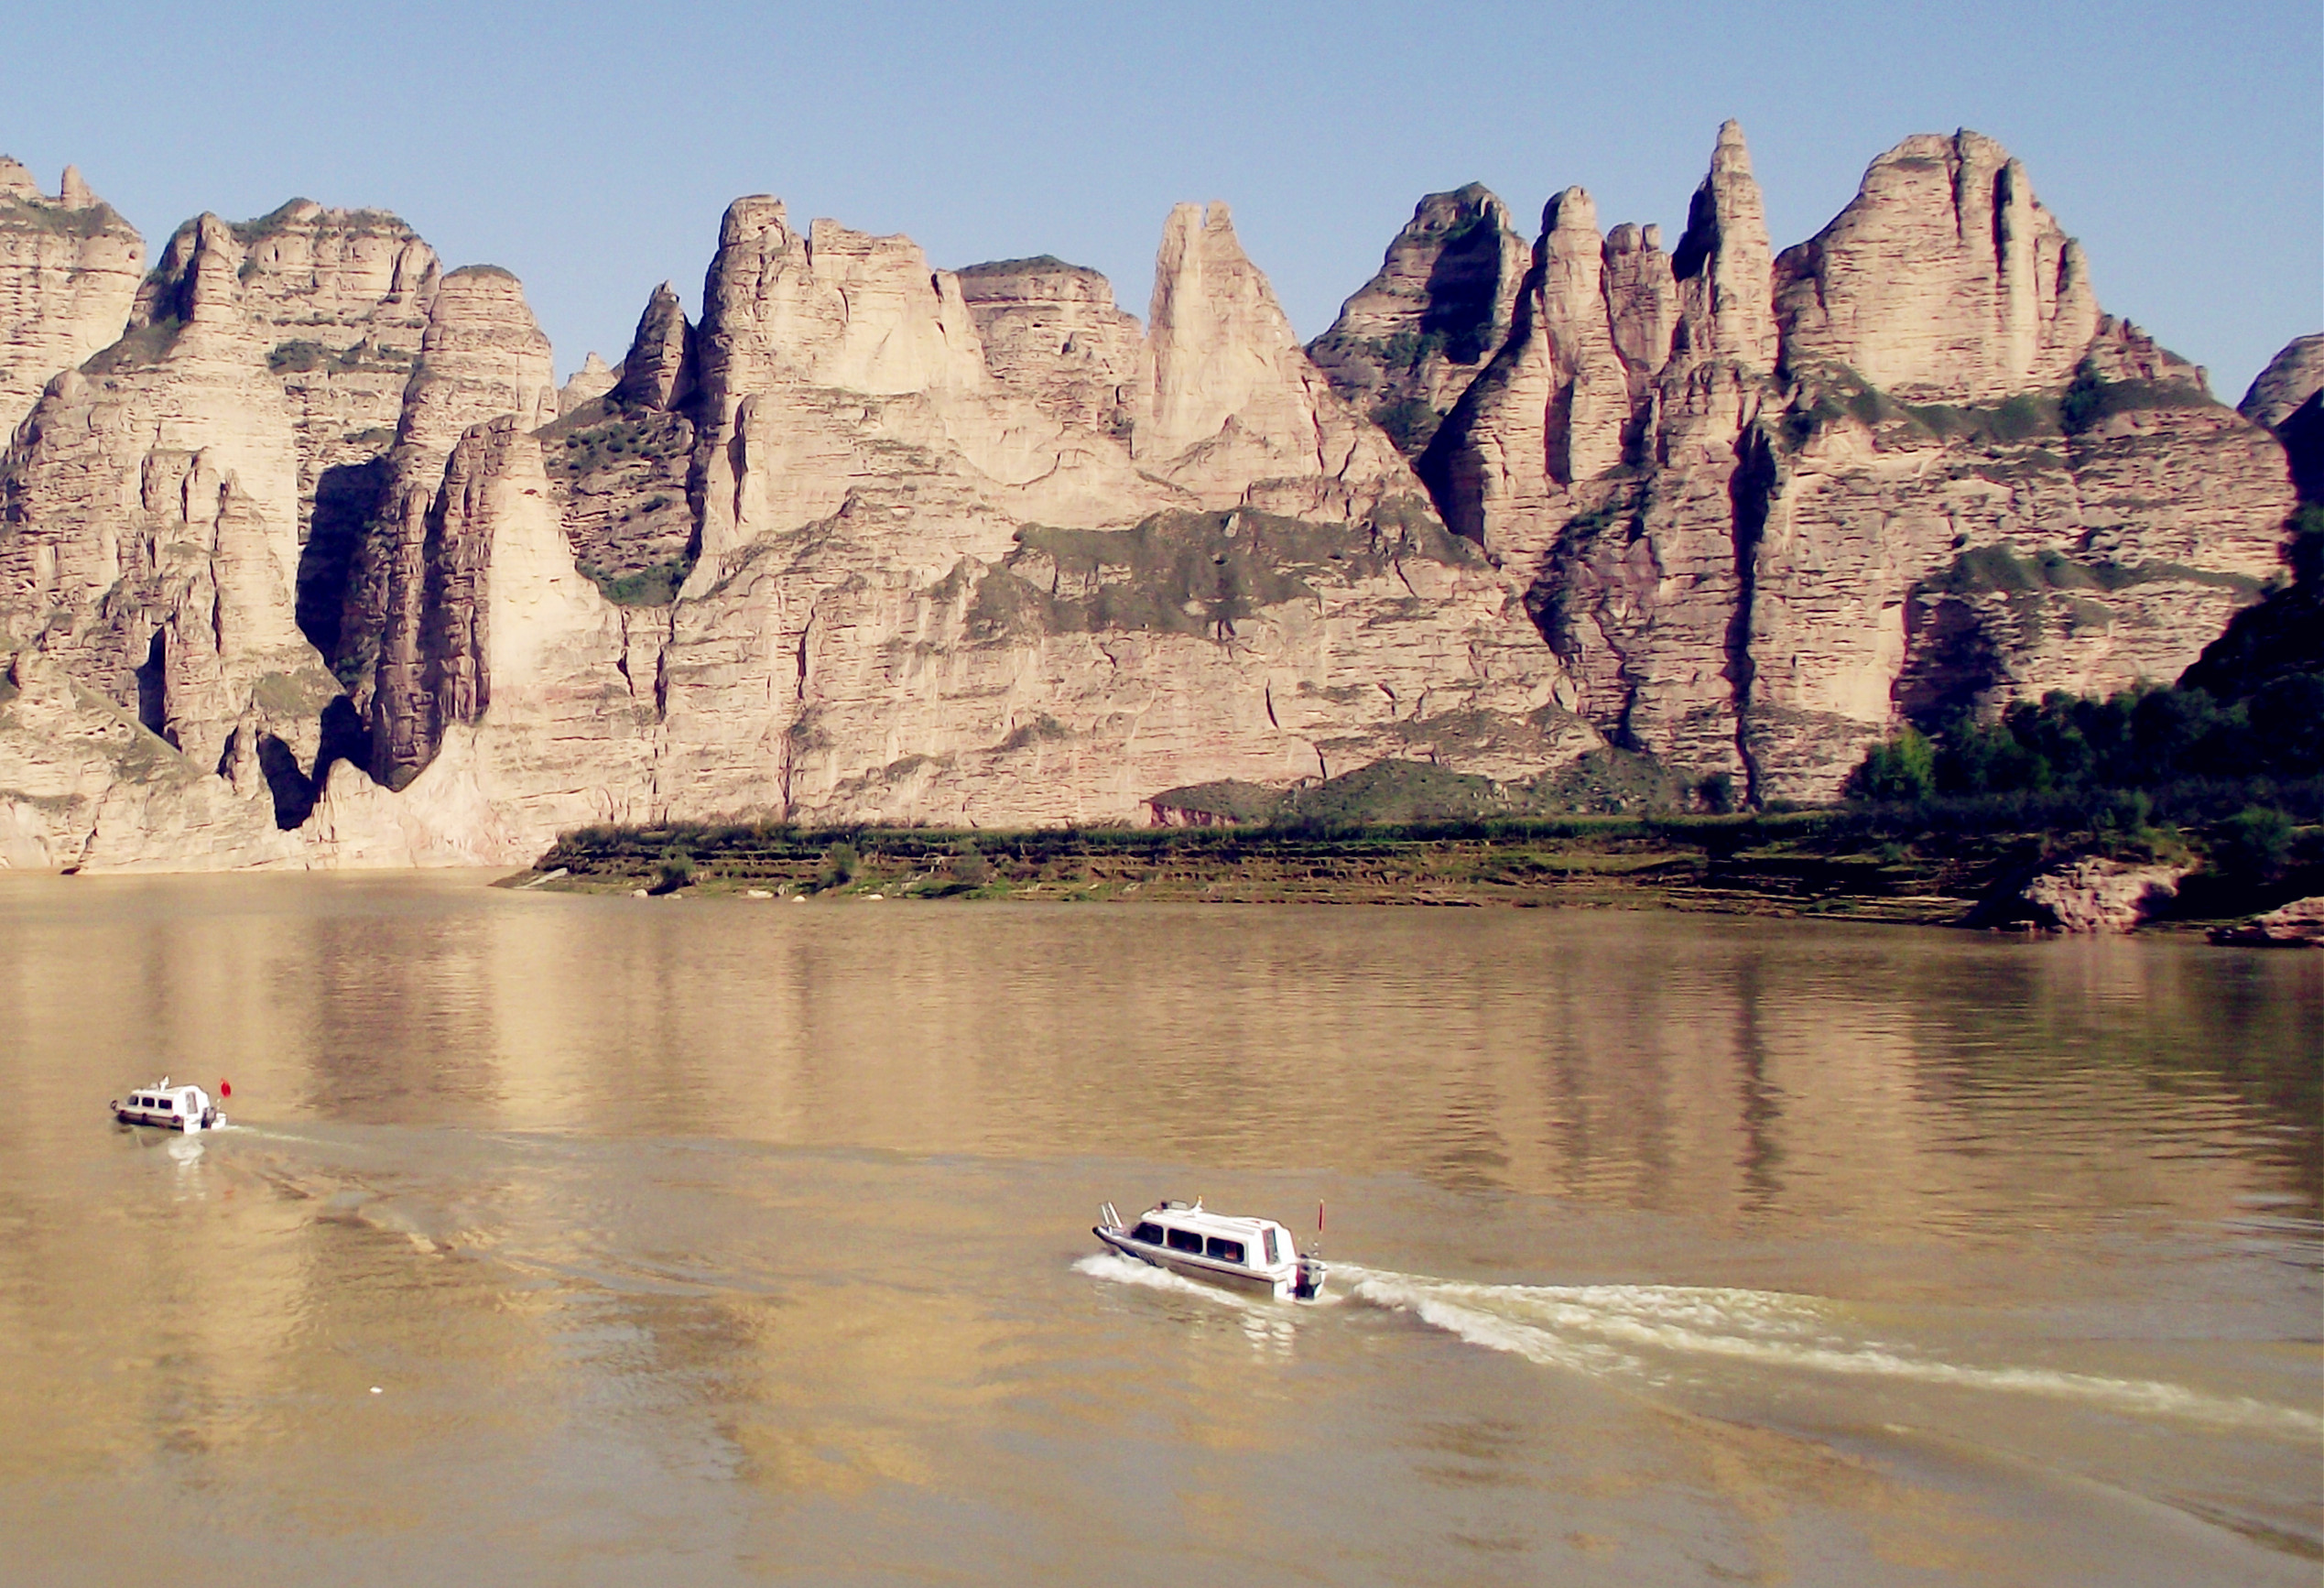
308	560
1405	347
1906	468
68	271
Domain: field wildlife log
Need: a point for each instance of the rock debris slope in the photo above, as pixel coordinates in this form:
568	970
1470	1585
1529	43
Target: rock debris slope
306	559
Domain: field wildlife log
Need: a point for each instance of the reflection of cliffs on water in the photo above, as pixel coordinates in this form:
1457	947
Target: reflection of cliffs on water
727	1235
1650	1060
306	559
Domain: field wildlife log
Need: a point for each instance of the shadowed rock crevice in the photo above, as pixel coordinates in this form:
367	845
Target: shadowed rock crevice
293	793
1751	489
153	687
347	497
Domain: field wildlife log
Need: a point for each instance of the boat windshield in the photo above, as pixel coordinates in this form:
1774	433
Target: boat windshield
1149	1233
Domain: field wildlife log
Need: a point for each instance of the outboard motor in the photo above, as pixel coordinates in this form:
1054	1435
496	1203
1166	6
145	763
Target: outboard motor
1306	1280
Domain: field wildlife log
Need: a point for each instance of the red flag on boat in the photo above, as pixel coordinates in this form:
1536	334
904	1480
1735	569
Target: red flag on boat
225	1088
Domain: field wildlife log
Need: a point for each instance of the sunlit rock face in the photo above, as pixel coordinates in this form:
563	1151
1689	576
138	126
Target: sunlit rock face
68	271
1766	507
306	558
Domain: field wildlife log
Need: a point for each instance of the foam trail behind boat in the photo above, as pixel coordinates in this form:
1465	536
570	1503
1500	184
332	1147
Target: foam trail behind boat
1658	1332
1123	1271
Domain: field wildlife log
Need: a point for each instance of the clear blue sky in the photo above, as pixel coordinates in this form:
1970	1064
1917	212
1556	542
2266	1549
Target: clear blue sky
592	147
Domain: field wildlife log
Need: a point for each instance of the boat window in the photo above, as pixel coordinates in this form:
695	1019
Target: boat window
1151	1233
1186	1241
165	1105
1225	1250
1266	1245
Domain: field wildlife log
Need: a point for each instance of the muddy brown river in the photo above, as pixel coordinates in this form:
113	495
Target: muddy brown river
584	1240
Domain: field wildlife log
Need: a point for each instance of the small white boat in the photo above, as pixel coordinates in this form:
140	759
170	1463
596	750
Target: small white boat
1241	1254
186	1108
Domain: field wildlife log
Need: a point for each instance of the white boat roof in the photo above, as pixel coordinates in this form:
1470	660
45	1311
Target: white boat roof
1209	1223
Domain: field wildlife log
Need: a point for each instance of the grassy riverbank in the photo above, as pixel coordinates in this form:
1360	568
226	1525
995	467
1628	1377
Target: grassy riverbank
1918	865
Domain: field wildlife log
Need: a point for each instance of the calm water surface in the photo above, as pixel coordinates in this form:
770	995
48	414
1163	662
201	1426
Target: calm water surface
714	1241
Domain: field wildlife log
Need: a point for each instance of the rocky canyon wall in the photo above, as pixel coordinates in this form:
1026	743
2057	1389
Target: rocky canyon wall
305	560
1903	470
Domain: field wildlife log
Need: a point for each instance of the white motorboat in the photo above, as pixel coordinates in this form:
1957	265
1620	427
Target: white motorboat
186	1108
1241	1254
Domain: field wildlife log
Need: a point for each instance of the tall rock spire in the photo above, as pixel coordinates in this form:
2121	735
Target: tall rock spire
1219	338
1592	402
1724	263
1235	403
658	374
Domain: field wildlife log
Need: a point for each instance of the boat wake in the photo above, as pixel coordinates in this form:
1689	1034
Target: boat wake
1117	1268
1662	1333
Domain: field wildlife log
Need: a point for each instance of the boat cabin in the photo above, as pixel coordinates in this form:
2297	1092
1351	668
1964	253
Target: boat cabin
186	1108
1242	1254
1243	1243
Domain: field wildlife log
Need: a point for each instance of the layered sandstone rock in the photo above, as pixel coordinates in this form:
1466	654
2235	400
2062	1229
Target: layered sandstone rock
876	541
2288	399
483	356
2095	896
2291	377
1235	399
156	501
1725	290
1406	345
334	303
2299	924
1051	333
1613	354
68	271
1944	280
806	343
1794	562
958	598
1057	681
1642	303
660	372
588	383
620	459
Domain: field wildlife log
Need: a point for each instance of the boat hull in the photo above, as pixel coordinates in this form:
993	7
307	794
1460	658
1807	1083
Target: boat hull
190	1124
1274	1283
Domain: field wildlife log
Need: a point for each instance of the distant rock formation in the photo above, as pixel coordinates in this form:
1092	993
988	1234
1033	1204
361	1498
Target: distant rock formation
1766	509
68	270
307	560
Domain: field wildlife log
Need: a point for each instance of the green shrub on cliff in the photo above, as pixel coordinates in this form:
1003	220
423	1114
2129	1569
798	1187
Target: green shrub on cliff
1903	768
